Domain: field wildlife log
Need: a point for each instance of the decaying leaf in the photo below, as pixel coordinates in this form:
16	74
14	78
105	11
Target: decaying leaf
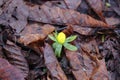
96	5
56	15
72	4
57	3
111	54
83	30
90	51
16	58
35	32
52	64
92	48
113	21
15	14
9	72
77	68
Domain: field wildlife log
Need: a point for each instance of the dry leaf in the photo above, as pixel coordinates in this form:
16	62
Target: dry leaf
56	15
72	4
96	5
15	57
77	68
35	32
9	72
52	64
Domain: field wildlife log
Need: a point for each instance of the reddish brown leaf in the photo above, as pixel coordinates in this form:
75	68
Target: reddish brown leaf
77	68
92	48
96	5
56	15
15	13
98	69
72	4
15	57
9	72
83	30
86	65
52	64
35	32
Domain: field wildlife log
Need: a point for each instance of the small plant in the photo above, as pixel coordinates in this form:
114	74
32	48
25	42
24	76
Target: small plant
60	40
107	4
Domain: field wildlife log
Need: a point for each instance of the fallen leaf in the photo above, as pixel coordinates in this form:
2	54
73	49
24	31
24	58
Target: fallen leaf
113	21
77	68
117	10
52	64
15	14
35	32
96	5
9	72
63	16
83	30
16	58
72	4
97	68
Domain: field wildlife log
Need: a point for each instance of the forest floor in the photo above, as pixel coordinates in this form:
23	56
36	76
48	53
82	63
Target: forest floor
27	53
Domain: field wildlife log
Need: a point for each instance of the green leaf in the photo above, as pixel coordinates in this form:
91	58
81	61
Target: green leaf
71	38
55	34
58	50
70	47
52	37
108	4
54	44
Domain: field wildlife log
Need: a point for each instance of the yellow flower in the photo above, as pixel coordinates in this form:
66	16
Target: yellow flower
61	37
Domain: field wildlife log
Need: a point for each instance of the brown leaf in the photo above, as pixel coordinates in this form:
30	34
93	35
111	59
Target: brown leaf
56	15
77	68
90	51
9	72
96	5
92	48
100	73
15	57
83	30
113	21
56	3
72	4
111	49
35	32
15	14
52	64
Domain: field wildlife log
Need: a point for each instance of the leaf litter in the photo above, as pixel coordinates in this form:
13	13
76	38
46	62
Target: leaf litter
26	52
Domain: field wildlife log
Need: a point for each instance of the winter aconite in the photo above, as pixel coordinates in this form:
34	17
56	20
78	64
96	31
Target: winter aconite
60	40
